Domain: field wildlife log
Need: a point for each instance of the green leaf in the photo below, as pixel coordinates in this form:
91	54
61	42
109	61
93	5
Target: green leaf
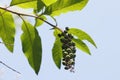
81	35
39	22
57	51
81	45
63	6
24	3
7	29
31	46
49	2
16	2
40	5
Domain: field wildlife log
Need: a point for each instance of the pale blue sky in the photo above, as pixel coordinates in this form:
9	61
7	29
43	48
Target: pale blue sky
100	19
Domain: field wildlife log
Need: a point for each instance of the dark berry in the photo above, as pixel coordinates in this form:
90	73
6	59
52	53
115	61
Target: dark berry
66	68
69	35
73	44
64	63
74	50
65	32
67	28
64	47
66	37
63	59
64	55
69	51
69	40
71	54
74	56
67	57
59	35
73	63
63	40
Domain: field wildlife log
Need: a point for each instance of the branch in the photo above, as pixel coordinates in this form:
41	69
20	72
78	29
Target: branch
10	67
54	26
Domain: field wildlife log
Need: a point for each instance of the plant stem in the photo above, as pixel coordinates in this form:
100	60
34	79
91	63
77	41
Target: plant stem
10	67
17	13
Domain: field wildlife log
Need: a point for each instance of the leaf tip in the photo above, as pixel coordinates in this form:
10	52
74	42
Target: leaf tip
90	54
36	72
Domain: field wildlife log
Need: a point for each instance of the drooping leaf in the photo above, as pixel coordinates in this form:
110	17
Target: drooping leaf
38	22
63	6
57	51
7	29
40	5
49	2
31	46
81	45
82	35
24	3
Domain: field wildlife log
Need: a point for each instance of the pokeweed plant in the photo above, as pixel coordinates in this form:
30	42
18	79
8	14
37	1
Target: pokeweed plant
66	42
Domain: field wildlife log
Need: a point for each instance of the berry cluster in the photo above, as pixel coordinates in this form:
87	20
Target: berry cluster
68	50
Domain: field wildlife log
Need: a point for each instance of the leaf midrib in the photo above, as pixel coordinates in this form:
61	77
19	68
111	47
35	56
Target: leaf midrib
28	32
30	41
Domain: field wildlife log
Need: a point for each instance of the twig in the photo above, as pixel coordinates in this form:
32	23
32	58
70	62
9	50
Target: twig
54	26
10	67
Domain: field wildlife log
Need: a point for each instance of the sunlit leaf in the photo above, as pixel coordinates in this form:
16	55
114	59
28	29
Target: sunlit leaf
57	51
31	46
16	2
81	45
49	2
82	35
38	22
7	29
24	3
63	6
